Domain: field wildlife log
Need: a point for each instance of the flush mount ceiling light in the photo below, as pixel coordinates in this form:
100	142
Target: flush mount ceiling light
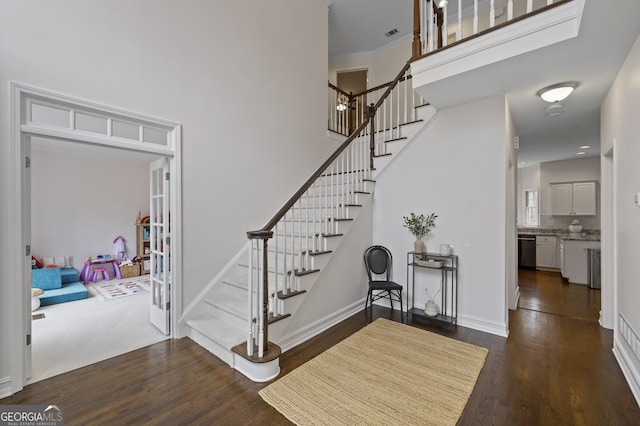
580	153
557	92
584	147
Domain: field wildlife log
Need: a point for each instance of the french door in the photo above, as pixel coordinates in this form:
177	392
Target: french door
160	276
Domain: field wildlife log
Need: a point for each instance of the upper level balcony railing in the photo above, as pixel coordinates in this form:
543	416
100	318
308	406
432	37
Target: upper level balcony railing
441	23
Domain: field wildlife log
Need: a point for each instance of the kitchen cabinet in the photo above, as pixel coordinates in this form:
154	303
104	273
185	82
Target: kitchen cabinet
573	199
576	260
546	251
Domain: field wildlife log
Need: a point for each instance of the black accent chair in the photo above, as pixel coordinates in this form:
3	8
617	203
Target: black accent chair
378	262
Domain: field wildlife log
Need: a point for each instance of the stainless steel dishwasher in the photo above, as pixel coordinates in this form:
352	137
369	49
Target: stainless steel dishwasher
526	251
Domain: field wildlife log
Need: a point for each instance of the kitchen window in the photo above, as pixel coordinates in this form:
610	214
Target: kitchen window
531	208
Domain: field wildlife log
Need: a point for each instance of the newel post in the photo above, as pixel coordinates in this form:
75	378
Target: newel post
263	316
416	46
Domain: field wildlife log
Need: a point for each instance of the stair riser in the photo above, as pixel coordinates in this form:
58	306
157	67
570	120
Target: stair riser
336	189
312	228
282	263
334	202
346	212
223	353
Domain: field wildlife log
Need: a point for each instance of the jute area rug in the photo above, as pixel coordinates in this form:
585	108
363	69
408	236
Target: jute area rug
385	374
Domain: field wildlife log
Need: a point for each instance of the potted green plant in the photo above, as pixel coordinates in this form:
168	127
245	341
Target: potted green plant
419	226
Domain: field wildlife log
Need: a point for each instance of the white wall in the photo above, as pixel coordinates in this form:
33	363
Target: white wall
511	236
620	126
80	203
383	65
458	172
583	169
231	73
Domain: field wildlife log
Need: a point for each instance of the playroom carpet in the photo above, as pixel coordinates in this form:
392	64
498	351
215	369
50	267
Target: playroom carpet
109	290
75	334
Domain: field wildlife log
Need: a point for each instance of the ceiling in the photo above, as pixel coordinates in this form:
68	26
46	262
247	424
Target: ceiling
607	31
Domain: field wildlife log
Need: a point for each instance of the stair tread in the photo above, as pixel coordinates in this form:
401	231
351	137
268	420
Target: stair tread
217	329
303	272
396	139
290	293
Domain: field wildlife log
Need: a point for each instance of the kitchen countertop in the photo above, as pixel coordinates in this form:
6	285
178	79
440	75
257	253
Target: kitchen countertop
585	235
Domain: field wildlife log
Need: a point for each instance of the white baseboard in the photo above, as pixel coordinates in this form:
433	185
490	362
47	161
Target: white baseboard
481	324
625	361
5	387
300	336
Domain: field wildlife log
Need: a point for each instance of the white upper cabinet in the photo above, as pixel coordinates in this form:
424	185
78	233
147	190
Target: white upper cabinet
574	199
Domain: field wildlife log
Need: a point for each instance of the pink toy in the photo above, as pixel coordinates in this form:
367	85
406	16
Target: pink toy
96	271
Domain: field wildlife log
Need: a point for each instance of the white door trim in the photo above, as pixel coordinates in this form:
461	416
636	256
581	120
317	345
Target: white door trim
22	127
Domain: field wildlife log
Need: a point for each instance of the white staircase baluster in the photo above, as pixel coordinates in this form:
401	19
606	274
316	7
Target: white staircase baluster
492	14
299	234
250	285
398	109
431	35
261	297
306	226
529	6
475	16
273	294
445	25
510	10
285	284
459	31
406	94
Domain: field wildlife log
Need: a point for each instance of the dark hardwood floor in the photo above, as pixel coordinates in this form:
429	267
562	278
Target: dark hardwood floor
556	368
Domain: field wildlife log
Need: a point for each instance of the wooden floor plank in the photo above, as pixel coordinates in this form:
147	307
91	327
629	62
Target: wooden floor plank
555	368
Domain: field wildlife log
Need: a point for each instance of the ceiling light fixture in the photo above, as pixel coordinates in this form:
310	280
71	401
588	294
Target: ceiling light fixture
557	92
342	103
581	153
584	147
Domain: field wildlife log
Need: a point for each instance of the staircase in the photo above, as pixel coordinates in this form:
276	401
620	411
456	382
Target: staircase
302	244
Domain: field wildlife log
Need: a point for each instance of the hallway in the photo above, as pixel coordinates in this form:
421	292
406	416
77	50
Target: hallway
548	292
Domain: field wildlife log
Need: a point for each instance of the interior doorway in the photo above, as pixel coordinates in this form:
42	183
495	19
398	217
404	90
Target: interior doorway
41	114
81	198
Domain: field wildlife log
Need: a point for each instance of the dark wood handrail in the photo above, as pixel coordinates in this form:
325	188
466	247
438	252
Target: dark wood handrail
263	233
339	90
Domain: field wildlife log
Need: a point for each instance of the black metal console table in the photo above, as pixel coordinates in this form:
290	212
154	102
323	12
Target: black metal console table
448	268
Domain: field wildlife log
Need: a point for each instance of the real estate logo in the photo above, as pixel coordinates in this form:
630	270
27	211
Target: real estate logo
31	415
